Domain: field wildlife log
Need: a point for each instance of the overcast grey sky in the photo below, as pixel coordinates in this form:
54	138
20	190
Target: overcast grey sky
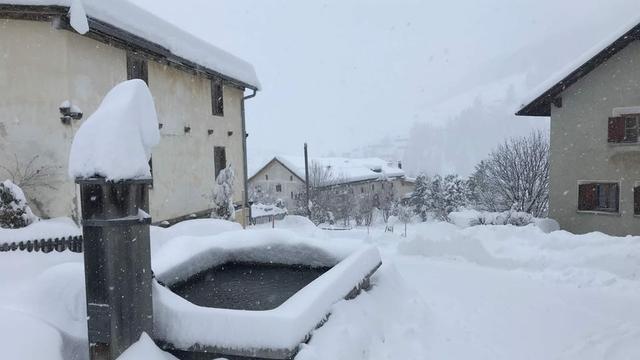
344	73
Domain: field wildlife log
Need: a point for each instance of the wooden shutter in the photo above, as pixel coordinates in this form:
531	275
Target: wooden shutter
616	129
636	200
587	198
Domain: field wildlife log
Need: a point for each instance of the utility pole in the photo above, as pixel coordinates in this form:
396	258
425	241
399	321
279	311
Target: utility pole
306	176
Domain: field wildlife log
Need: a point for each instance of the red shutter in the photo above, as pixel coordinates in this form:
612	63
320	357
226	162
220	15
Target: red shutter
587	196
616	129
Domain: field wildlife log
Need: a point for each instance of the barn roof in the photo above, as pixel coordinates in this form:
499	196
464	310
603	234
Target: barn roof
544	96
125	24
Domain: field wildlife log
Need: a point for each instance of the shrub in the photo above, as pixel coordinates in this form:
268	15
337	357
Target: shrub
14	211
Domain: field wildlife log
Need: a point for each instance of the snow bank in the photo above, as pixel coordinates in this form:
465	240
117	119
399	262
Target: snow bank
25	337
184	324
43	229
145	349
593	259
196	227
115	142
387	322
469	217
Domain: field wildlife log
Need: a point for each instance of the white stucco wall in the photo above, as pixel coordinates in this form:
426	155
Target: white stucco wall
42	66
579	148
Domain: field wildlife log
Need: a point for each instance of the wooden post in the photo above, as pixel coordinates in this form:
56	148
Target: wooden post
117	263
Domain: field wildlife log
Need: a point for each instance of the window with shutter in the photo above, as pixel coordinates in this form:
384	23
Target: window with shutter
604	197
624	129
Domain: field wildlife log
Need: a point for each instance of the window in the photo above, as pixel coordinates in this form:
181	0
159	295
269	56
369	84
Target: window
599	197
217	98
624	128
292	195
266	176
373	186
219	158
137	67
636	199
362	190
290	177
278	188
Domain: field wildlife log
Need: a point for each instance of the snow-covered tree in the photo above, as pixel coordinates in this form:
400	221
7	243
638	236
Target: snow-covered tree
515	177
438	196
14	211
223	194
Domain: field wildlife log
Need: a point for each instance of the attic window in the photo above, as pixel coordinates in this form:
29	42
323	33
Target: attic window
217	98
137	67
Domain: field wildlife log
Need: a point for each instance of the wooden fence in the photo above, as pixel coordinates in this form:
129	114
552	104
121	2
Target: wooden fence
71	243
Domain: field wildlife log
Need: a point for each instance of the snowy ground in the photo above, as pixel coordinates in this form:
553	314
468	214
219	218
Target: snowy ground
444	292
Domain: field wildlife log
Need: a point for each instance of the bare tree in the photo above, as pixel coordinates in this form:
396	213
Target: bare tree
515	177
30	175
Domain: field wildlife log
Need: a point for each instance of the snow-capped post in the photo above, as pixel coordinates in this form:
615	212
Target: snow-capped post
109	160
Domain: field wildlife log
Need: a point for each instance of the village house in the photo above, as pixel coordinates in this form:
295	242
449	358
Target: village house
595	152
54	75
283	178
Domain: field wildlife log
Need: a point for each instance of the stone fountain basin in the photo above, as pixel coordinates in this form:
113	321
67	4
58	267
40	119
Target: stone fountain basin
252	294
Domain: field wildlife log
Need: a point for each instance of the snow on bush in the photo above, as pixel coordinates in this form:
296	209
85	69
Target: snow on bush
14	211
467	218
223	194
115	142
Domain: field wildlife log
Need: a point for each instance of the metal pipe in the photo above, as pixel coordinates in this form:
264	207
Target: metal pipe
245	197
306	176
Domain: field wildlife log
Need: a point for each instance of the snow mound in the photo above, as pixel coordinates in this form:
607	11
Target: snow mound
25	337
43	229
190	228
115	142
145	349
547	225
387	322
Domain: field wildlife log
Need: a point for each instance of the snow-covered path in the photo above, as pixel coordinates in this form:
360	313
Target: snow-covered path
484	313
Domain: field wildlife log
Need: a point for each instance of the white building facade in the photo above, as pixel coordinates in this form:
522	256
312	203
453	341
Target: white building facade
46	63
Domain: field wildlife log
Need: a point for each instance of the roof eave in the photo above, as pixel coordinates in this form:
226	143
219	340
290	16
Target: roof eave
541	106
102	31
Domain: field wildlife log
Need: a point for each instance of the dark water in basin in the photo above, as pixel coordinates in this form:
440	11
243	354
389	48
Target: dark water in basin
247	286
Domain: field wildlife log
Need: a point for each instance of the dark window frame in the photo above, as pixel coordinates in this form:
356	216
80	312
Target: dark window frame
217	97
624	129
278	187
599	196
137	67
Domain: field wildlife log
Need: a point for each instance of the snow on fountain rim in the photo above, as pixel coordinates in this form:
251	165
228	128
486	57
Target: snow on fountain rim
115	141
184	324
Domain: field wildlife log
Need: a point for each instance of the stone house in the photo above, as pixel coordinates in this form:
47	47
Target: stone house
283	178
595	125
53	77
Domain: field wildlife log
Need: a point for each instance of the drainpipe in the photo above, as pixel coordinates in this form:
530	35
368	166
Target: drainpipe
245	198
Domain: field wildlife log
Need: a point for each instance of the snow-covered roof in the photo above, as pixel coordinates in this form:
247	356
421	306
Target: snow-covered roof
343	170
539	103
139	22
